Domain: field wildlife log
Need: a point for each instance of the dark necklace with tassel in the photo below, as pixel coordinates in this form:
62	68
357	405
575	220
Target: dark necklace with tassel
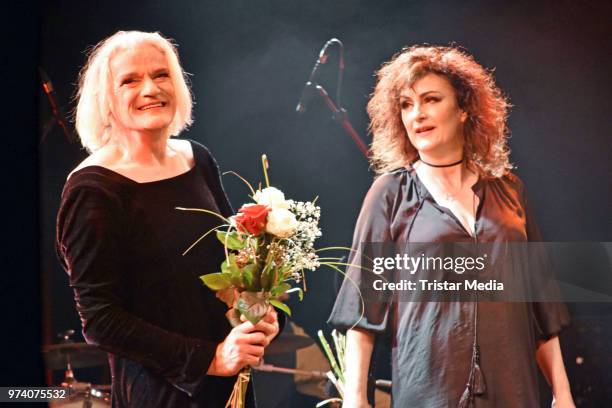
476	384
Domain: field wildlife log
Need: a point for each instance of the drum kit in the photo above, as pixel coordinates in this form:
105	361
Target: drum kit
68	355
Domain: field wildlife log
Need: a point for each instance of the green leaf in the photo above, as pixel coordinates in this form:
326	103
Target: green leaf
229	265
253	305
231	240
230	268
266	276
216	281
248	277
299	291
280	305
280	289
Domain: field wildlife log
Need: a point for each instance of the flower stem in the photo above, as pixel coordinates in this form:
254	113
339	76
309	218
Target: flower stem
243	180
265	165
330	356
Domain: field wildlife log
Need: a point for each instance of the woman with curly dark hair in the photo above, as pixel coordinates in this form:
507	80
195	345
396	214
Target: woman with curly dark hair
440	148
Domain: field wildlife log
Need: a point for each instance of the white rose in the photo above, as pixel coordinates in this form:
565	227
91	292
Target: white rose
281	222
272	197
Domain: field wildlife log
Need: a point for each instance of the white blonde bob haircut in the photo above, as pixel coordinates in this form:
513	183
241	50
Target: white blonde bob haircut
95	85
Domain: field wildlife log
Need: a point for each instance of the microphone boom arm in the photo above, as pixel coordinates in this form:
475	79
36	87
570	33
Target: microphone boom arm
340	115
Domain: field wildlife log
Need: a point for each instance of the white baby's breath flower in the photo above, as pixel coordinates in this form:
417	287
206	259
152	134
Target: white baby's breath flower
298	249
271	197
281	222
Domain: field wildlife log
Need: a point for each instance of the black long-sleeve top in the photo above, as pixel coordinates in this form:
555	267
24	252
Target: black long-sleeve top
138	298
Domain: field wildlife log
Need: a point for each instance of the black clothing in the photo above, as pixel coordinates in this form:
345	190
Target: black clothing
432	341
121	243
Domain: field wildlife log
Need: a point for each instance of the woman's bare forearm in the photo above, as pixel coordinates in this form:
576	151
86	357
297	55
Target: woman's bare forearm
550	360
359	346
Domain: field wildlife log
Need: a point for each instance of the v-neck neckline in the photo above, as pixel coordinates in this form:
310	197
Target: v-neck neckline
477	189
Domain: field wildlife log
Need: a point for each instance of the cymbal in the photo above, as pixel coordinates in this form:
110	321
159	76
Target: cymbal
84	395
81	355
288	343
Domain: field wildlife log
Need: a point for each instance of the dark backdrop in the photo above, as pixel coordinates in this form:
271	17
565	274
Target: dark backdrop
249	61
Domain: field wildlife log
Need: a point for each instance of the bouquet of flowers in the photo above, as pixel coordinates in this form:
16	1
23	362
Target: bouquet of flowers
268	245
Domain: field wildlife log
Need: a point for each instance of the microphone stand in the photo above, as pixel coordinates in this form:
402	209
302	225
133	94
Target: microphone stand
56	110
340	115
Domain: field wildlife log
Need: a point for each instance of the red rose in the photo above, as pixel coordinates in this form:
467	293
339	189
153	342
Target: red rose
252	218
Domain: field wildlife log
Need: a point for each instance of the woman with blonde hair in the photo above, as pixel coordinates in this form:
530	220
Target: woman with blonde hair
439	147
120	238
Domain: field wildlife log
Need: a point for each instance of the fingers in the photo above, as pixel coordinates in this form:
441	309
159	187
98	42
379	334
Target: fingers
271	316
269	325
248	354
251	337
269	329
230	358
256	338
254	351
245	327
251	360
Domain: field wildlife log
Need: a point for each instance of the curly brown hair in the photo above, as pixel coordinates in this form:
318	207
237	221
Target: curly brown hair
485	130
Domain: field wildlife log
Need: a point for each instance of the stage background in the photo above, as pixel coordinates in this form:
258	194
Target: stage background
249	61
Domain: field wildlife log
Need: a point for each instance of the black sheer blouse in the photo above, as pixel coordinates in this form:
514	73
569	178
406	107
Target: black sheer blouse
121	243
432	341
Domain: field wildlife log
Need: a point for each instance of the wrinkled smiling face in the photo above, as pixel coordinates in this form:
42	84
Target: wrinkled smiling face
143	97
432	117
